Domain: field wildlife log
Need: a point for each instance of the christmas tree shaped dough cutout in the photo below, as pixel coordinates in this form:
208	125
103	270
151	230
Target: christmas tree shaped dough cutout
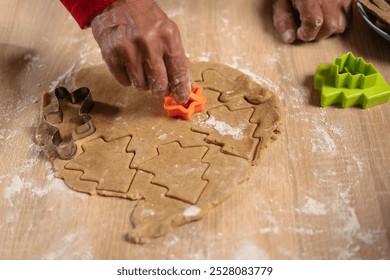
180	170
106	163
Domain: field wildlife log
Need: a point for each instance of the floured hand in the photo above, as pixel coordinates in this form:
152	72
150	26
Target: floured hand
142	47
310	20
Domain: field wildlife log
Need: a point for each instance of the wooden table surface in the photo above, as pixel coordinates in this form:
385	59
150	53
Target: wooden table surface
322	192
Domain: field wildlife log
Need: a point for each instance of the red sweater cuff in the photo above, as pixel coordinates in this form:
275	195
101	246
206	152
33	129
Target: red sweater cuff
84	10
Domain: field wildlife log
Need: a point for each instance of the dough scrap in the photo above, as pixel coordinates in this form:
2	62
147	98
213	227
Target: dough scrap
177	170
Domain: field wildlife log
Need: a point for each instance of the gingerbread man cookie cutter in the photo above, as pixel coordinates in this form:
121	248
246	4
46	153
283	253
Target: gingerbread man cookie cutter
67	149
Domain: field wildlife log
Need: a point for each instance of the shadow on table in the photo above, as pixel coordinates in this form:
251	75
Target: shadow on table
264	9
14	61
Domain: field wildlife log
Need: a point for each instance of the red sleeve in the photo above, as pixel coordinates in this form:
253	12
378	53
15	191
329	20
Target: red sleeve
84	10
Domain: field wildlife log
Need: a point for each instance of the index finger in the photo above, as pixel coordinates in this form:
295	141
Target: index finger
177	65
179	77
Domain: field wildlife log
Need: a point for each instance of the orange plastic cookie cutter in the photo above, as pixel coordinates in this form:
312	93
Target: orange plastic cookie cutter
195	104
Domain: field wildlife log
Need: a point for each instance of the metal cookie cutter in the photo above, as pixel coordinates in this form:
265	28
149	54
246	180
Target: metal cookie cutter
67	149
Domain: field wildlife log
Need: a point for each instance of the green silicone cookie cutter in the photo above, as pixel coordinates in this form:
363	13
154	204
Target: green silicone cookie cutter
351	81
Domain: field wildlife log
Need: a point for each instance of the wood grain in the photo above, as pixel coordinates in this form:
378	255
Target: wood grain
323	191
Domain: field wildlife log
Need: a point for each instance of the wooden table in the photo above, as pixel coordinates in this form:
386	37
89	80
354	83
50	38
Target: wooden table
323	191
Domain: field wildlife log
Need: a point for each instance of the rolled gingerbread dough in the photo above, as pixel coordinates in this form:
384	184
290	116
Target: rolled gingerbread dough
177	170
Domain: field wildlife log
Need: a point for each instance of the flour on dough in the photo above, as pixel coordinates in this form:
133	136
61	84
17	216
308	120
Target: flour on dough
177	170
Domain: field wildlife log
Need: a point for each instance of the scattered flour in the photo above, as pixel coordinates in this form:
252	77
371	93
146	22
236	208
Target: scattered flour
204	57
313	207
323	143
18	185
90	56
14	188
224	128
64	77
191	211
272	58
72	245
34	62
6	135
148	212
350	229
299	96
262	81
273	230
162	136
305	231
174	13
359	164
171	240
337	131
250	251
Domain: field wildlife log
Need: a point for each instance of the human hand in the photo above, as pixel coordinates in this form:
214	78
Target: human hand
142	47
318	19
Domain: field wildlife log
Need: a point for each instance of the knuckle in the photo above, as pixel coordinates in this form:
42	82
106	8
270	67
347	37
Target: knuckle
170	29
330	27
158	85
313	22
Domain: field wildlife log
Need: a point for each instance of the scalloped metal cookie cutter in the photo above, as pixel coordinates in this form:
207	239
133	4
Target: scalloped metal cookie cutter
351	81
66	150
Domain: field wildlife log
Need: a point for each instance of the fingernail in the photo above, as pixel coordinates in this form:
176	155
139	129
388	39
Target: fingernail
288	36
182	92
180	98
